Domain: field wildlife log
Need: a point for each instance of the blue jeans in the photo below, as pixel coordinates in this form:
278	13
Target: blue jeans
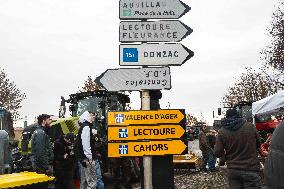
240	179
100	183
212	160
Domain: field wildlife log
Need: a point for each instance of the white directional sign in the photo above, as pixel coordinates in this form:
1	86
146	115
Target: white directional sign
152	9
136	79
154	55
158	31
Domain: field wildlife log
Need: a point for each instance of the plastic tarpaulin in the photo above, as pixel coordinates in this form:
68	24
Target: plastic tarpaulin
269	104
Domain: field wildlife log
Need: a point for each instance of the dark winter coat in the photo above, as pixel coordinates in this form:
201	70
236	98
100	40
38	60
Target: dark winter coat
274	164
42	154
203	142
239	141
61	147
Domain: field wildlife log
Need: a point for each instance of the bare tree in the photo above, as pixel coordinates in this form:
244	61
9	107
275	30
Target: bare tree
90	85
11	97
252	85
273	54
191	119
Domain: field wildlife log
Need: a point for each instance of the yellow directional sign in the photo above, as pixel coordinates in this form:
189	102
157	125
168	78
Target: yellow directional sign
145	132
150	117
150	148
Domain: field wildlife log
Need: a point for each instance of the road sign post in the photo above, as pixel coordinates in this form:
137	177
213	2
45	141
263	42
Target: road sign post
147	160
145	79
154	55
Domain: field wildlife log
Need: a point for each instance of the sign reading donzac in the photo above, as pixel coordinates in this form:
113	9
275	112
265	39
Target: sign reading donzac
152	9
145	117
150	148
154	55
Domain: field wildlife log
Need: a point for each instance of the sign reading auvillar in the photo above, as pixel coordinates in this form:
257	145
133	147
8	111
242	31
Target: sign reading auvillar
152	9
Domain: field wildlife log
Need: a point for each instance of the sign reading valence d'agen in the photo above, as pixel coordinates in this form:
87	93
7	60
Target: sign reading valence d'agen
146	117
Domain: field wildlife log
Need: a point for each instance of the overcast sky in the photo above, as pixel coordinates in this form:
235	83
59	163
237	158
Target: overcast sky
49	47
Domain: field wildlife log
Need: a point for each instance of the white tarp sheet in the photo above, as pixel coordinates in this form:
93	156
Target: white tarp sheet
268	104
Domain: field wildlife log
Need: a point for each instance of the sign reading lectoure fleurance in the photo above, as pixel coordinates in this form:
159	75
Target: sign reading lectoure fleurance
157	31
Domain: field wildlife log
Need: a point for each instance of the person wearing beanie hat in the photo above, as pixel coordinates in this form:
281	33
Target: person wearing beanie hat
239	141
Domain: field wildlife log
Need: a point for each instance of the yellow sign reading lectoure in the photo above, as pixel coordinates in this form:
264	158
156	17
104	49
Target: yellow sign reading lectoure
145	132
150	148
150	117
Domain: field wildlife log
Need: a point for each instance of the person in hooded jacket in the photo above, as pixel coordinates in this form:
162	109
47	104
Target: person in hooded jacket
64	162
274	163
239	141
86	151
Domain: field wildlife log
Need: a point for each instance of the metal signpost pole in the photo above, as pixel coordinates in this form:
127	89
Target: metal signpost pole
147	160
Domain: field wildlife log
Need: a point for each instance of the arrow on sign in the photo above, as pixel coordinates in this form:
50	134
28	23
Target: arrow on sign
135	79
146	117
157	31
152	9
154	55
150	148
145	132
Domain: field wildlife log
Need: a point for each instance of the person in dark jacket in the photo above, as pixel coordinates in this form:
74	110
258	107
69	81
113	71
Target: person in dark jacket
239	141
211	138
86	151
274	163
64	162
99	173
42	154
204	147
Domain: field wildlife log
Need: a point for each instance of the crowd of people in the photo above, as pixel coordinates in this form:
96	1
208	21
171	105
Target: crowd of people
238	144
68	154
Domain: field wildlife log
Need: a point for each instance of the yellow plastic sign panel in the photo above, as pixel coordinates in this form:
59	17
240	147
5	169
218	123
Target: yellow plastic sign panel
22	179
150	117
145	132
150	148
